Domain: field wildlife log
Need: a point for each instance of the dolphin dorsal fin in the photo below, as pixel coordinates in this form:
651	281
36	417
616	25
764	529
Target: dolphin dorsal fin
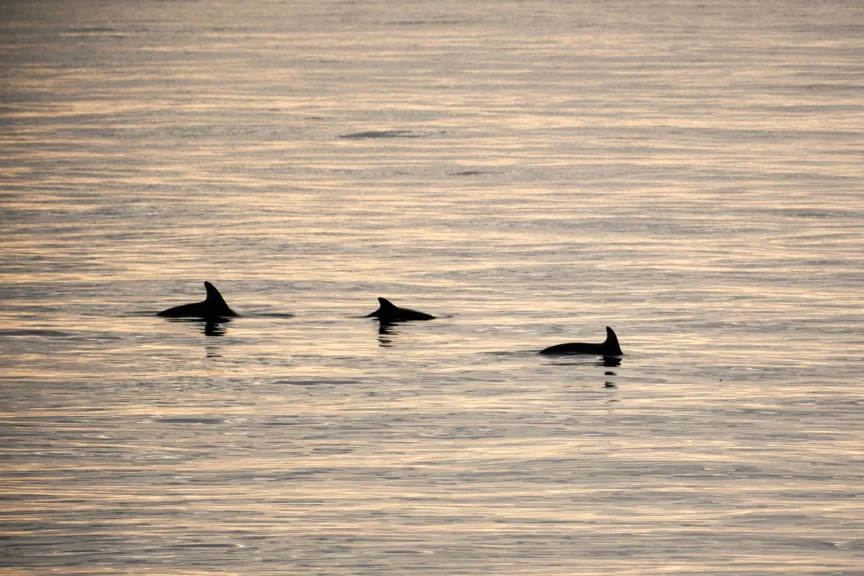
385	303
213	295
215	305
611	342
214	298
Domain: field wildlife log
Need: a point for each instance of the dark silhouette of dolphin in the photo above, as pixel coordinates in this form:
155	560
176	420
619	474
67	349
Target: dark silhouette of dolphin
213	307
608	348
389	312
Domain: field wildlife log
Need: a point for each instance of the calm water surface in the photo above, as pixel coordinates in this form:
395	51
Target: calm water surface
689	173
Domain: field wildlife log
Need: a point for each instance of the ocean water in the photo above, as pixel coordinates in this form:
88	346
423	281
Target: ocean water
687	172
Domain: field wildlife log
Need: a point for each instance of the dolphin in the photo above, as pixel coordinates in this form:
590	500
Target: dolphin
389	312
213	306
608	348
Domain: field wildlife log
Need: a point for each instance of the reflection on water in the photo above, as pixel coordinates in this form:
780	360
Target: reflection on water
689	172
386	330
586	360
209	327
214	328
381	134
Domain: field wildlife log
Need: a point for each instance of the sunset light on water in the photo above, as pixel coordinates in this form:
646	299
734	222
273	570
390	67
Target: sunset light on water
687	173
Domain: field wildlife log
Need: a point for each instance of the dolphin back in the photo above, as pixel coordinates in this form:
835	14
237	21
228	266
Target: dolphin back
213	307
389	312
184	311
609	347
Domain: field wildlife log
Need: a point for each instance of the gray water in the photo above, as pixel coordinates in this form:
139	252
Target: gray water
689	173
